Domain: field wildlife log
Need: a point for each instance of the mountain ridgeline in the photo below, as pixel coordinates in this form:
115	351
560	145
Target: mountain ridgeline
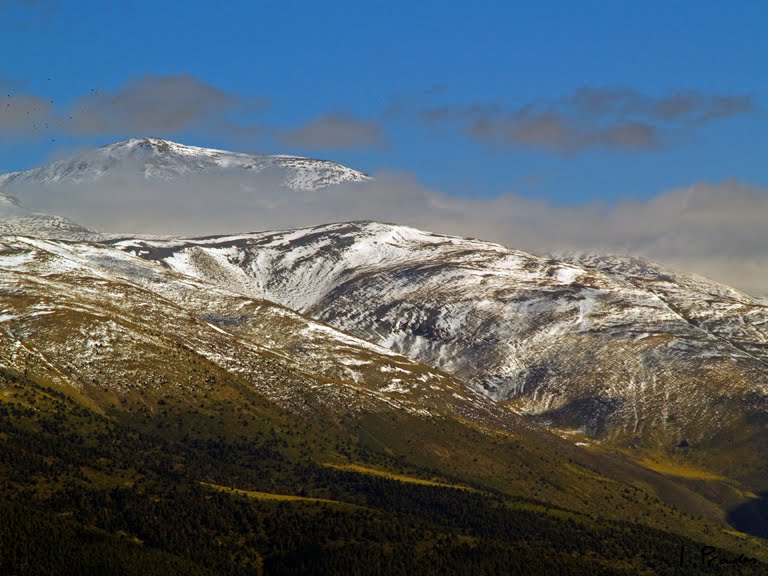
631	355
156	160
321	399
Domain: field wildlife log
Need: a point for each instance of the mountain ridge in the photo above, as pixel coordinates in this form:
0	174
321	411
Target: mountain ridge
73	315
576	381
582	349
158	159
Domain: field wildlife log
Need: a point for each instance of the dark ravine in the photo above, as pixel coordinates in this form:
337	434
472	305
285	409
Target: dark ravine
752	516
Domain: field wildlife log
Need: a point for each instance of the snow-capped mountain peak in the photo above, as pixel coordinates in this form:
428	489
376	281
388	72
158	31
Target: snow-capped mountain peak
158	159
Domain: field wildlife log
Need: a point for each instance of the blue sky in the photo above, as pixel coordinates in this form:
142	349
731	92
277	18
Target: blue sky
474	99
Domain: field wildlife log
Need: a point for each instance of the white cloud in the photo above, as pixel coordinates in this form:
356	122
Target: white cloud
336	130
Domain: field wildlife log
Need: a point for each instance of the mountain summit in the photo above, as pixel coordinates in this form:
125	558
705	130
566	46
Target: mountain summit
158	159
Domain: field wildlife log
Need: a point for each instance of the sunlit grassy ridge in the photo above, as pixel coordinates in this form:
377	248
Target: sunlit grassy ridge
271	496
392	476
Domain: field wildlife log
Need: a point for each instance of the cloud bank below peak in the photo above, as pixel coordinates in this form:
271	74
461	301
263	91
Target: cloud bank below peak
715	229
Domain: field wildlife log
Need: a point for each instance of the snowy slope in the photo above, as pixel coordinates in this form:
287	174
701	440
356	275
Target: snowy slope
569	344
615	348
82	313
719	309
131	337
155	159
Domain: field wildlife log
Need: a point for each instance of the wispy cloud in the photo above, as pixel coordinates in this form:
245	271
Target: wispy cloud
687	106
404	103
23	114
553	130
151	105
161	105
336	130
590	118
28	14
